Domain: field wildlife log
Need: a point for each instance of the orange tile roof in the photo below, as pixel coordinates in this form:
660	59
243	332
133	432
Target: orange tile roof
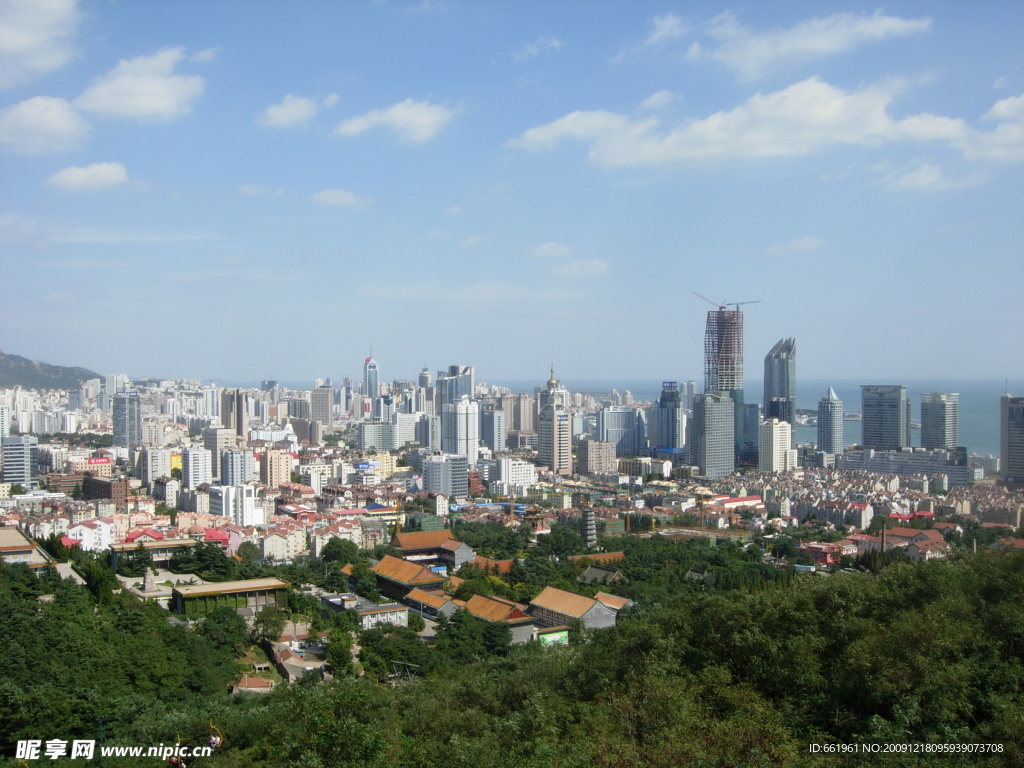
397	569
421	539
487	564
428	598
614	602
560	601
493	609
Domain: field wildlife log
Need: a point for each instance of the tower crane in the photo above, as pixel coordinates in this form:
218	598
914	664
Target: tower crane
723	304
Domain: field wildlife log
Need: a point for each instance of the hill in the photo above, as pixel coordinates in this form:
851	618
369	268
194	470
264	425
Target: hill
16	371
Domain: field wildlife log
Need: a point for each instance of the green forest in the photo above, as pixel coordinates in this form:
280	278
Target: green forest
747	666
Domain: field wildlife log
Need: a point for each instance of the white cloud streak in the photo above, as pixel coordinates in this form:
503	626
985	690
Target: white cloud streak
91	178
42	125
928	177
290	111
752	54
339	198
541	46
552	249
36	36
804	118
413	121
800	245
144	88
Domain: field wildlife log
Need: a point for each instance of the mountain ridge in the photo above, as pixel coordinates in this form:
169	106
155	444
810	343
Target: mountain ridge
18	371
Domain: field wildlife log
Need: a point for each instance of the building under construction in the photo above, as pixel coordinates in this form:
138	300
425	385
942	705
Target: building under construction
723	351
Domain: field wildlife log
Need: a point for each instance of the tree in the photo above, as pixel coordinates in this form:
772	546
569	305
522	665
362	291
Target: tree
416	623
269	624
339	652
249	552
225	629
340	551
17	489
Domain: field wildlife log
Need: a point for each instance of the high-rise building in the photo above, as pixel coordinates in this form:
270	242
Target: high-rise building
595	457
215	440
723	366
625	426
234	411
710	438
446	474
371	378
457	381
275	468
492	427
424	380
5	421
776	453
780	381
21	461
321	405
723	351
687	392
830	423
127	419
460	424
667	423
237	502
196	468
940	420
523	413
154	463
885	417
1011	434
554	429
237	467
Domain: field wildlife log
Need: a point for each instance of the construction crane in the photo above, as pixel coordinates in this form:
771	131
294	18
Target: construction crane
723	304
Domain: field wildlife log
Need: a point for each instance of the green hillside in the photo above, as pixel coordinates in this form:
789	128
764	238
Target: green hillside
16	371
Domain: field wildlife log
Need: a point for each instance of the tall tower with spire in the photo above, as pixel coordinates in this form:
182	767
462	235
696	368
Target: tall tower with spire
554	428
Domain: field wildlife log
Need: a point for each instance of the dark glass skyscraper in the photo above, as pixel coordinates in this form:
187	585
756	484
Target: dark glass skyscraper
885	417
780	381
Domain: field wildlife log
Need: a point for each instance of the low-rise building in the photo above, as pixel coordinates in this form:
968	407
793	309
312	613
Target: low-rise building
555	607
249	595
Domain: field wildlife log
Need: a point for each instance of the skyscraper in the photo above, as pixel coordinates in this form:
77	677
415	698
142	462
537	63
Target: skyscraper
237	467
321	405
710	440
554	430
460	424
1011	434
457	381
830	423
885	417
234	411
623	425
127	419
492	427
371	382
723	366
196	468
776	453
21	461
667	425
940	420
780	381
723	352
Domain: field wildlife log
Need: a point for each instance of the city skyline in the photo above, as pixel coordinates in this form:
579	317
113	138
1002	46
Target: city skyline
400	165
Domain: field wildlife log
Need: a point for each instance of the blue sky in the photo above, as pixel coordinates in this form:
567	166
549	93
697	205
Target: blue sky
240	190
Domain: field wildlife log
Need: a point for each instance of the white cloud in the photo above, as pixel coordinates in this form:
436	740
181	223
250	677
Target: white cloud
259	190
801	244
339	198
928	177
60	297
542	45
752	53
413	121
657	100
552	249
205	56
1005	142
473	240
145	88
667	27
803	118
42	125
454	210
291	111
580	268
330	100
35	37
91	178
